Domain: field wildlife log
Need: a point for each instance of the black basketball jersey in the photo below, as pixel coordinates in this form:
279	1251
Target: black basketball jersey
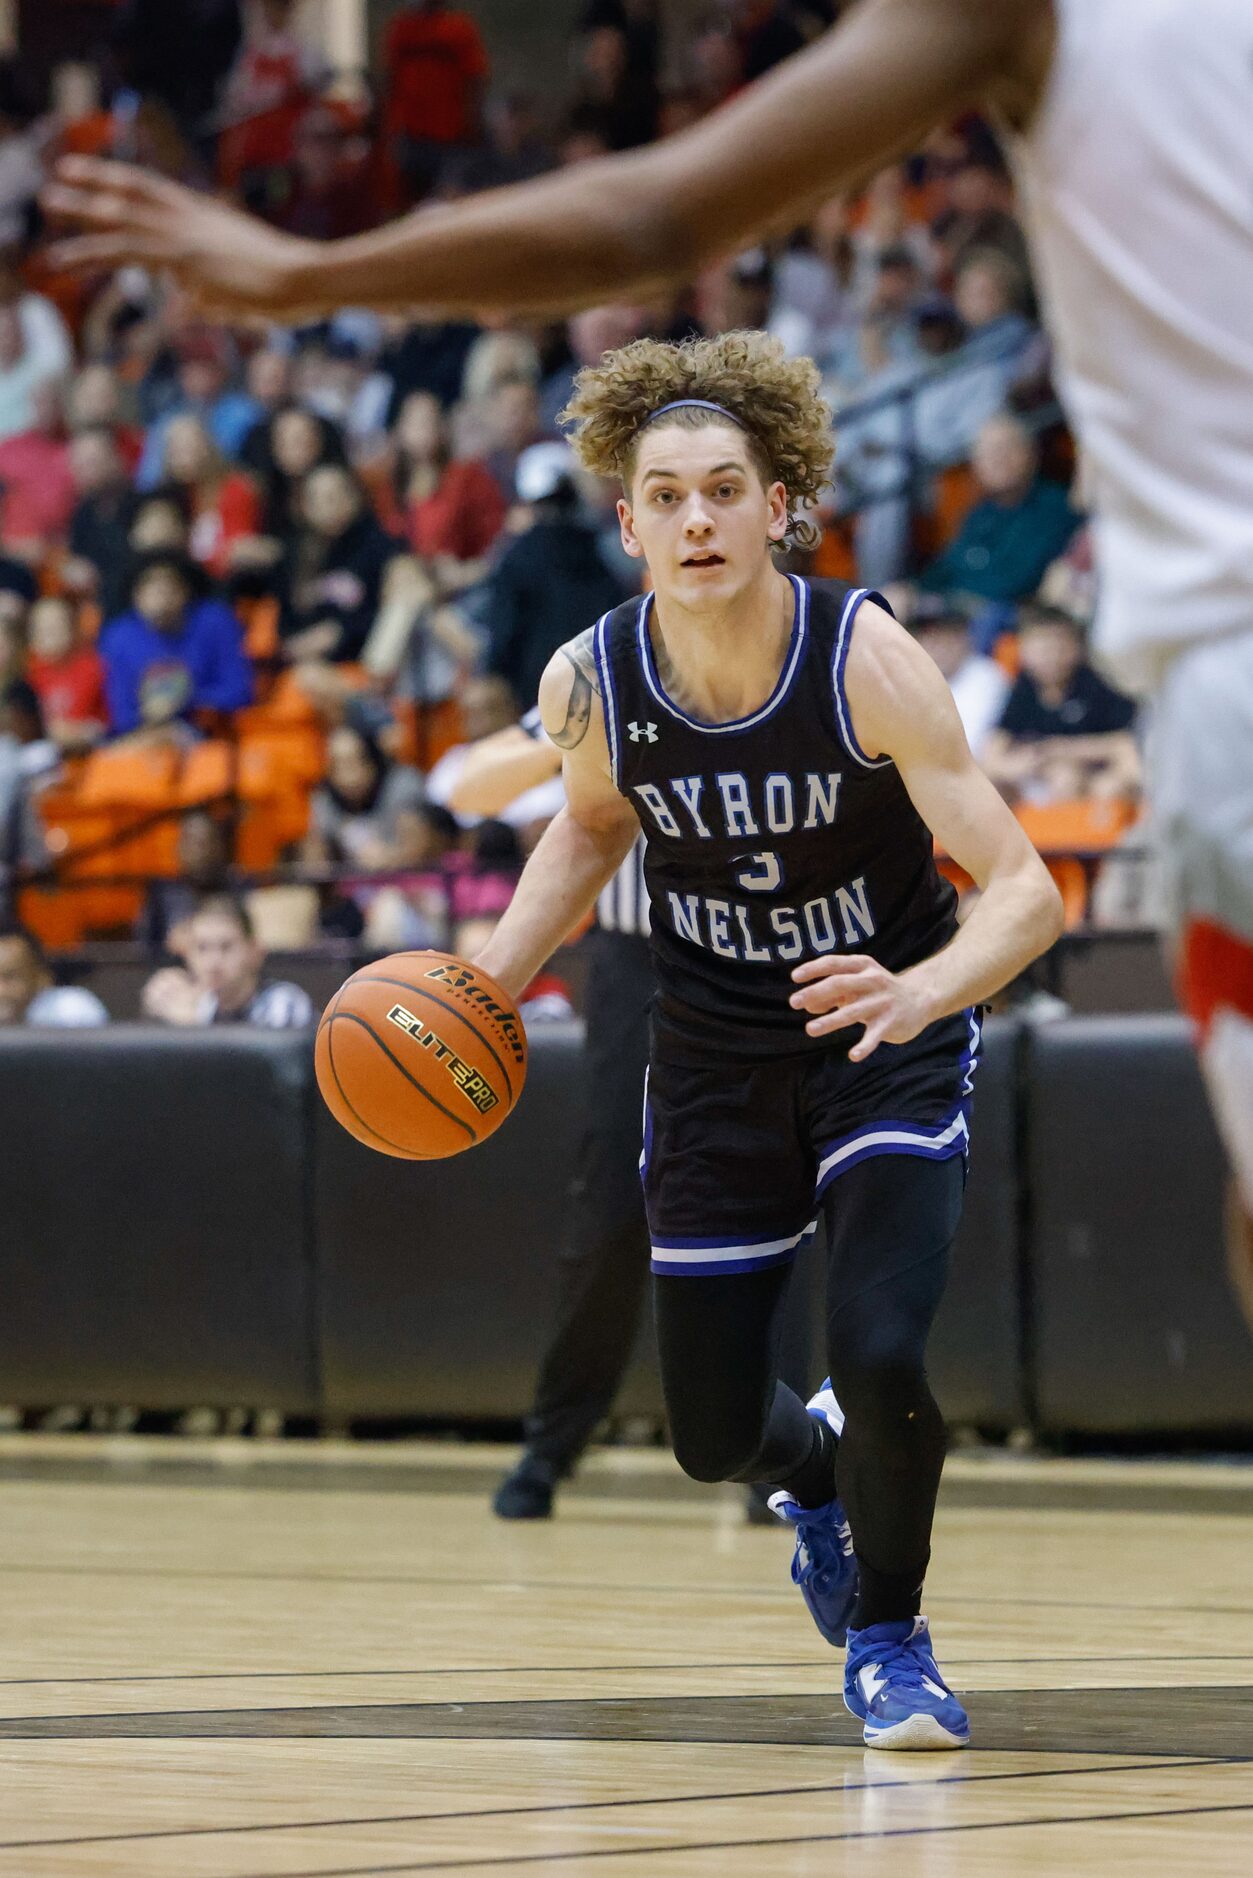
770	839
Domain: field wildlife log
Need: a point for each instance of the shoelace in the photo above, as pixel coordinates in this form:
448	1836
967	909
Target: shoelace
819	1550
899	1664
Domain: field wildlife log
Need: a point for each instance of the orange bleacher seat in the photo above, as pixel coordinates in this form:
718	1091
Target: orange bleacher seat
57	918
1064	827
953	494
1071	880
260	623
1060	830
128	787
273	804
297	753
835	557
121	776
1007	654
207	773
87	845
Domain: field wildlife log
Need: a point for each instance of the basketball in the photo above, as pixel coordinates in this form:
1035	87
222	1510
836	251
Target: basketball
420	1056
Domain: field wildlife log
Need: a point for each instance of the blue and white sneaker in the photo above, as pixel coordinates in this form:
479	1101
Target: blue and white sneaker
823	1565
893	1685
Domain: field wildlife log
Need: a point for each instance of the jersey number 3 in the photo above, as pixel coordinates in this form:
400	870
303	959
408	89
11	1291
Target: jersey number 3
762	874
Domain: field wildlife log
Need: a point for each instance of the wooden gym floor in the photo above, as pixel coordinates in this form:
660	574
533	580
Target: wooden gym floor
238	1660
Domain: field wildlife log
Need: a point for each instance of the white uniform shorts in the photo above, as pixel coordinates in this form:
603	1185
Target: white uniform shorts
1201	766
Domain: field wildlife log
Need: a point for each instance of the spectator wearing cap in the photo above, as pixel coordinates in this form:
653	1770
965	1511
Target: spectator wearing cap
28	994
203	390
223	981
979	685
1019	524
173	653
551	574
1064	732
435	68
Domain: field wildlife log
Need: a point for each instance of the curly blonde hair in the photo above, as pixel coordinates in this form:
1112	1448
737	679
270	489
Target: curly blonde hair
773	397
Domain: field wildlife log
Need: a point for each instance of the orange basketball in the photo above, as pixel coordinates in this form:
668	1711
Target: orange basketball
420	1055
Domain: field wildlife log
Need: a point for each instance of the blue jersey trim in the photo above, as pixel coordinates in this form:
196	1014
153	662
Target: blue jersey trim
936	1141
600	646
843	640
685	1258
787	677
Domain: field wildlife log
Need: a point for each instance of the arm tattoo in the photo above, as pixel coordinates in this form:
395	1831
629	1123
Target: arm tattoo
578	652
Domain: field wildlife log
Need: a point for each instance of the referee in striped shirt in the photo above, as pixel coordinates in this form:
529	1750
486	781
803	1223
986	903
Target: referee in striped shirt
604	1262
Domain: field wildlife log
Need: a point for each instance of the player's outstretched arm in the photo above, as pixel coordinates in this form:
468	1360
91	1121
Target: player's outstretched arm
584	846
901	707
500	768
820	122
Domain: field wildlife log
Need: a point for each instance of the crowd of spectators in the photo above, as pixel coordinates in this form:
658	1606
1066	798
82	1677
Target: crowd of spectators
378	516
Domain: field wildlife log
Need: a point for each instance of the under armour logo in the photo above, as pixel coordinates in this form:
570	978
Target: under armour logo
642	733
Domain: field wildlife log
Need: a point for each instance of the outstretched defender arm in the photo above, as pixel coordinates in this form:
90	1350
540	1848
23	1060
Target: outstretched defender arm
902	708
822	121
583	848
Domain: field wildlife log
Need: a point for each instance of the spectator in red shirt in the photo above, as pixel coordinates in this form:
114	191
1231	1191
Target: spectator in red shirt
435	66
450	510
224	504
36	480
275	77
66	675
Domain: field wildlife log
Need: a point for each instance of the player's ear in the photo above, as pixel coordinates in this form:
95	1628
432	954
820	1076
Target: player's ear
630	540
776	502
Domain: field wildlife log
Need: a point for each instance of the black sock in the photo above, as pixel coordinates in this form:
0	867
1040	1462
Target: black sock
886	1597
813	1482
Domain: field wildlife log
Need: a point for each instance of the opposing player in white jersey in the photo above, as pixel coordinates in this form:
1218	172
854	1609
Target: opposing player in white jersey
1131	126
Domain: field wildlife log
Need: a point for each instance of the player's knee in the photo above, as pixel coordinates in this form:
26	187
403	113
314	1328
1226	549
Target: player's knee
880	1372
724	1451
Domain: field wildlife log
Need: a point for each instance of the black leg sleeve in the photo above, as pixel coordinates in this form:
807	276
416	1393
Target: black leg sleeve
891	1223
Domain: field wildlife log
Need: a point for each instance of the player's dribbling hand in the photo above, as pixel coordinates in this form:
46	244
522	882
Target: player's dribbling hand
845	989
230	262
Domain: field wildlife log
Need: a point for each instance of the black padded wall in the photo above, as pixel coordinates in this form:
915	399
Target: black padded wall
1135	1325
157	1227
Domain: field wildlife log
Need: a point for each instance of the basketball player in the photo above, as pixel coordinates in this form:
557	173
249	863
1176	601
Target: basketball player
1131	121
791	756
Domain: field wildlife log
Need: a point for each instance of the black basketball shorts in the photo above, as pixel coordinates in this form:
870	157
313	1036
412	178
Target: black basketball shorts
739	1152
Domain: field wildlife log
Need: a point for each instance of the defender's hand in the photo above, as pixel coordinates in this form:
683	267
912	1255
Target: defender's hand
847	989
230	262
